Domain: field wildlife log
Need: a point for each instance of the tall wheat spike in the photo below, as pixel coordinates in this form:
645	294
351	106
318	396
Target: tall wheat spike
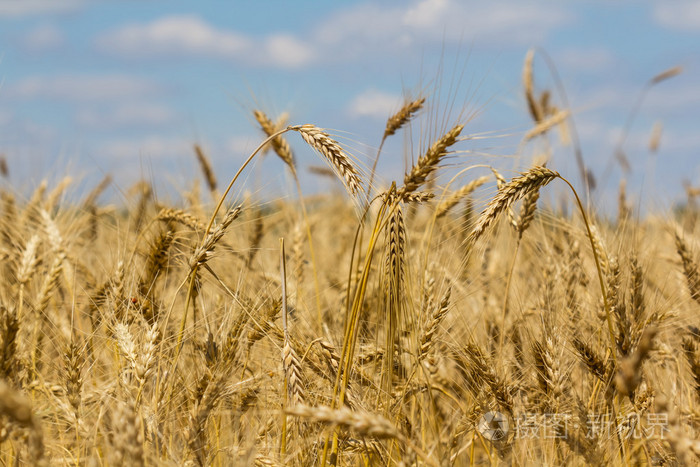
427	163
447	204
533	105
279	143
205	165
400	118
519	187
318	139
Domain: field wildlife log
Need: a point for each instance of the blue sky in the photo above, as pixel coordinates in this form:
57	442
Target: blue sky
126	88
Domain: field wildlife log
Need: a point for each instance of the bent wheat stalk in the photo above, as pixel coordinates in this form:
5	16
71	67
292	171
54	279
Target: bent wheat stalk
530	182
316	138
394	123
363	423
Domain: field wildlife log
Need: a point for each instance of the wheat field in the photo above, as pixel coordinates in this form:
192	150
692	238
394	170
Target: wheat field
443	319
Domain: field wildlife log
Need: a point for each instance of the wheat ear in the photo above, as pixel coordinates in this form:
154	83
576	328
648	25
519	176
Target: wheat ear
16	407
207	170
528	84
519	187
428	162
318	139
427	340
278	143
400	118
447	204
690	268
546	124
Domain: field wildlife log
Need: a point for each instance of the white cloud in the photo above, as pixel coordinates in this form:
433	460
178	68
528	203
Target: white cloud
586	60
133	114
192	36
677	97
82	87
360	30
5	117
288	51
682	95
27	133
674	141
375	104
156	147
173	35
43	38
678	15
371	27
13	8
239	145
426	13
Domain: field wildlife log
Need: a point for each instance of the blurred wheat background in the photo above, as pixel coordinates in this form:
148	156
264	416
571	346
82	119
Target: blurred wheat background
452	279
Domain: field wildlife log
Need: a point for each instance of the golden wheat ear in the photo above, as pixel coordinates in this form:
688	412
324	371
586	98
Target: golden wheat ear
207	170
318	139
279	144
519	187
428	163
533	106
444	207
400	118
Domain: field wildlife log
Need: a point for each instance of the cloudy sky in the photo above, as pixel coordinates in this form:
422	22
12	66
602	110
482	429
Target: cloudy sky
126	88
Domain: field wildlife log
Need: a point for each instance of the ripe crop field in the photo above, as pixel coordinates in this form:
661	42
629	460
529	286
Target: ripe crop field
462	315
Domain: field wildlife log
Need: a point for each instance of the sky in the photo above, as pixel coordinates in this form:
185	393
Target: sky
89	88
